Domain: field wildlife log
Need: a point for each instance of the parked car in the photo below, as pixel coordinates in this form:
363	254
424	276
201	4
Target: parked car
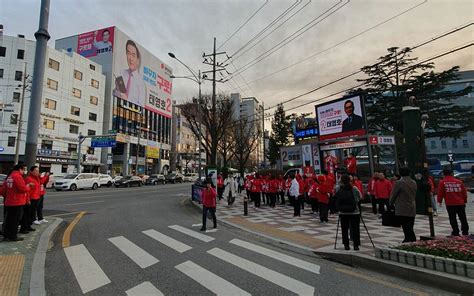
190	177
174	178
468	179
105	180
155	179
77	181
116	178
129	181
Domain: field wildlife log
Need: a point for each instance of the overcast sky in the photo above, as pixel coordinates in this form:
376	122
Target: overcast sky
187	28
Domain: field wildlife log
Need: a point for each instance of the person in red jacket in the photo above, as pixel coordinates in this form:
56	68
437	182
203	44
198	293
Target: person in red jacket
256	189
383	189
371	192
323	198
351	164
454	194
208	198
248	185
272	190
313	195
331	183
14	194
359	186
29	210
39	210
220	186
281	189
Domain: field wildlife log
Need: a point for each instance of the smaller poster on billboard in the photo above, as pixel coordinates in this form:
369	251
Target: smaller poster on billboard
291	156
95	43
316	159
307	154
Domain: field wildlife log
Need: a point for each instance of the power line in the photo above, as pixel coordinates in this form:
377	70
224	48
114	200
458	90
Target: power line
241	26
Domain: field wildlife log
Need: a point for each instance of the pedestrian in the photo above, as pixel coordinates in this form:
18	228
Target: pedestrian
454	194
371	192
240	182
301	187
383	188
403	197
294	195
264	189
358	184
323	199
281	189
256	190
432	192
248	185
308	182
313	196
272	190
39	211
287	187
14	192
230	189
208	198
29	215
331	184
351	164
220	186
347	199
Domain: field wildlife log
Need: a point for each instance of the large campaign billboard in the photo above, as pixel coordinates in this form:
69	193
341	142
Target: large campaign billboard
141	78
342	118
96	42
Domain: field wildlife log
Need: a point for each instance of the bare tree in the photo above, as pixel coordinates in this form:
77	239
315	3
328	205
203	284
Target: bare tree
226	145
246	137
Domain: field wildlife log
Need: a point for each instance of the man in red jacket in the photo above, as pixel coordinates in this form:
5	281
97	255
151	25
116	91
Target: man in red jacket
29	213
383	189
208	198
15	198
454	194
351	164
220	186
39	210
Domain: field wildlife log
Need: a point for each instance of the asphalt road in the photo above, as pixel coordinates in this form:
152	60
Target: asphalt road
124	245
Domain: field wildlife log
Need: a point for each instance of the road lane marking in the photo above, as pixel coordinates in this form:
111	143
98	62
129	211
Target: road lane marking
209	280
197	225
145	288
277	256
67	233
88	273
167	241
279	279
83	203
64	214
196	235
381	282
211	230
141	257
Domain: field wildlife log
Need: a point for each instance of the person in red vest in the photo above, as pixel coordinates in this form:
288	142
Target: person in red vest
383	189
248	185
454	194
29	215
371	192
39	210
331	184
351	164
431	182
330	163
256	190
358	184
220	186
323	198
311	187
281	189
208	198
272	190
14	193
265	198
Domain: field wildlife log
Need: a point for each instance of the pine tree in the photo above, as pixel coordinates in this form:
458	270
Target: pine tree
281	130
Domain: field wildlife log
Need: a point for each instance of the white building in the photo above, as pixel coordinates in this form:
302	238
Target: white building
72	103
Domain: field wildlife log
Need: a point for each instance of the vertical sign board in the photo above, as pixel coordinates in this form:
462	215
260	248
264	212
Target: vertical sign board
291	156
316	159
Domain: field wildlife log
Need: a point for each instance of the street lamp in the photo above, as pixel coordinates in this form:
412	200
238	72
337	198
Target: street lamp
198	79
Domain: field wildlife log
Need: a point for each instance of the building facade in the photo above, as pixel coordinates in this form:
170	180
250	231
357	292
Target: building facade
138	100
72	104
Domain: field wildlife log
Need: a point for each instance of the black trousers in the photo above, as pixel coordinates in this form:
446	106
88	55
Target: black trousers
296	206
383	205
352	222
256	199
12	219
291	199
220	191
301	198
33	210
273	197
374	204
25	218
282	197
459	210
204	216
332	204
39	209
407	225
314	205
230	198
323	212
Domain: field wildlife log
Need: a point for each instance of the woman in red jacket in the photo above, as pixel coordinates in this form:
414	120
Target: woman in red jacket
15	198
208	198
29	214
383	189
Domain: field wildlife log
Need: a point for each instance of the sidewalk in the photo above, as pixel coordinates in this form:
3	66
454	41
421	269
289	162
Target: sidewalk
20	260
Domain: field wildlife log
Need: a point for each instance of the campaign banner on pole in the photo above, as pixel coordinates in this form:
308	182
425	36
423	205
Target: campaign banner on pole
342	118
291	156
95	43
316	159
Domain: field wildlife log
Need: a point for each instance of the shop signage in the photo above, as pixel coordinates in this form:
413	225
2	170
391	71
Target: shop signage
102	142
343	145
54	160
73	120
122	138
382	140
152	152
50	115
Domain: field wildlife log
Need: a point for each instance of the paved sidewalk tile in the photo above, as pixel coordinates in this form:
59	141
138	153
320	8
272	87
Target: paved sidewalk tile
11	269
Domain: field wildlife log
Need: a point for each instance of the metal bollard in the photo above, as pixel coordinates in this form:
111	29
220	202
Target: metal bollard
246	210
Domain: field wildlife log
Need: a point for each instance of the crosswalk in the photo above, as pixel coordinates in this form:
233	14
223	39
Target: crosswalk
176	238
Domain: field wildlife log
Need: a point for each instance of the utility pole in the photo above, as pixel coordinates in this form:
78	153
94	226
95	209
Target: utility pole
20	119
42	37
200	126
79	155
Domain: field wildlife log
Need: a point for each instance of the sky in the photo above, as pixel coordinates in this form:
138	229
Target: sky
335	46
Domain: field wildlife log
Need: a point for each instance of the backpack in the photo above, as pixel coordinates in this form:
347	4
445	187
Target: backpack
345	202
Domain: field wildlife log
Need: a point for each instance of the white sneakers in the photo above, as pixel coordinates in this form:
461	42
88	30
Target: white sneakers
36	222
43	221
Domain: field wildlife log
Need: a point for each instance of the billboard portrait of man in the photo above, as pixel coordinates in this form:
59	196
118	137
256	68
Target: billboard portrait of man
104	43
129	84
353	121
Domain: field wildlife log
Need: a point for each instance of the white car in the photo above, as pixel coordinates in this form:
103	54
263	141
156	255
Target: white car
77	181
105	180
190	177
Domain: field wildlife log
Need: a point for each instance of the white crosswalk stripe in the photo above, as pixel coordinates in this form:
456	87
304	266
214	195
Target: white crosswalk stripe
144	289
192	233
167	241
88	273
209	280
141	257
279	279
277	255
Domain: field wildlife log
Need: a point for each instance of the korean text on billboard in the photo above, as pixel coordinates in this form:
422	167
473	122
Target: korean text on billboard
95	43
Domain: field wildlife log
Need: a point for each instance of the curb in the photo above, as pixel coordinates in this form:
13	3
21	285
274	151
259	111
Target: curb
37	285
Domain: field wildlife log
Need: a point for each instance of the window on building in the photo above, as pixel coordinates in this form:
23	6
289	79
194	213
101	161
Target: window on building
52	84
20	54
71	147
47	144
465	144
78	75
52	64
73	129
16	97
91	132
48	124
14	119
94	100
95	83
11	141
64	168
1	73
50	104
92	67
18	75
455	143
90	150
75	111
76	92
443	144
3	51
92	116
433	144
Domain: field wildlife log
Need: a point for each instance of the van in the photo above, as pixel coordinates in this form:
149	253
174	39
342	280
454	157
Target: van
77	181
